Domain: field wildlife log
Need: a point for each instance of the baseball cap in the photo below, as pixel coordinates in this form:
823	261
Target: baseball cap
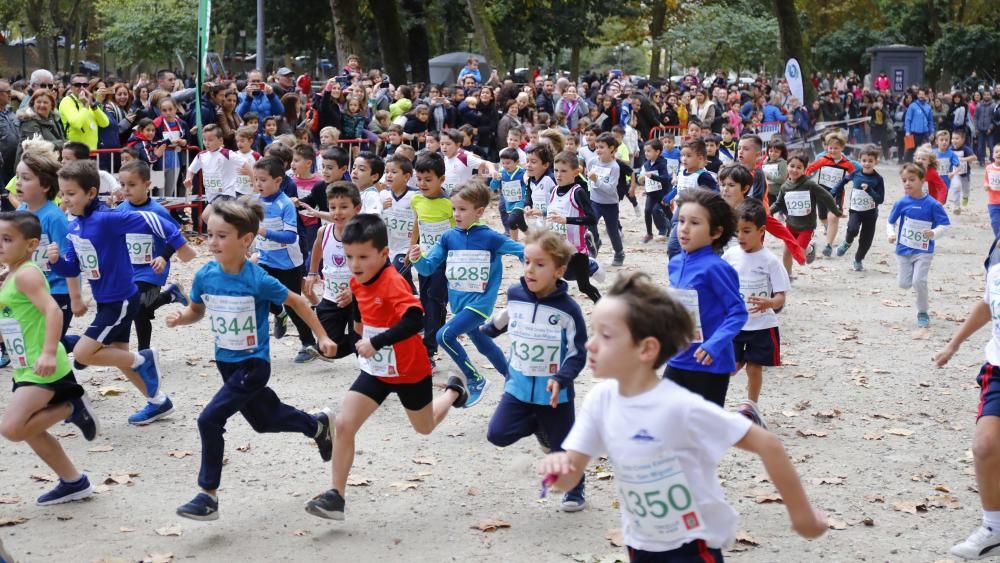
285	71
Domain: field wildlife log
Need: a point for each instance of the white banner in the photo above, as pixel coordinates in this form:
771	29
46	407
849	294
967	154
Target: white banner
793	74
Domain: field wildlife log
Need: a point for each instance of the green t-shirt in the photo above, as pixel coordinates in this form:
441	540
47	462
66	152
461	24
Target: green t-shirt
23	328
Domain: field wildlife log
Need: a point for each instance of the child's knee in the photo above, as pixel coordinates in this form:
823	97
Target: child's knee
11	431
345	427
986	445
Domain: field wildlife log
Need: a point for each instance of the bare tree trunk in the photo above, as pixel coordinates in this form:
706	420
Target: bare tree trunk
655	31
792	45
484	31
391	40
574	63
346	22
417	41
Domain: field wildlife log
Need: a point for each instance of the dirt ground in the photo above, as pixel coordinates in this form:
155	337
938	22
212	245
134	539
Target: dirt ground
880	437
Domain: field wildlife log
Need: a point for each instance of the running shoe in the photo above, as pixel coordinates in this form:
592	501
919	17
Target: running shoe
456	384
149	371
858	266
827	250
4	359
329	505
66	492
84	418
619	260
151	413
749	409
477	388
923	320
324	434
176	293
202	508
306	354
281	324
573	500
811	253
981	543
842	249
646	239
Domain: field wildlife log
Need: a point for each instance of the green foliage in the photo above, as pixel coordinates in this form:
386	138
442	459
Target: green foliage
844	49
964	48
132	34
730	35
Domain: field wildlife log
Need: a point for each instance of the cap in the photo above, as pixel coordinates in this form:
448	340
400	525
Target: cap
285	71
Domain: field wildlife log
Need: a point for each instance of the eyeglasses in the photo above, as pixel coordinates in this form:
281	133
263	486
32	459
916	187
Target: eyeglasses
79	84
43	86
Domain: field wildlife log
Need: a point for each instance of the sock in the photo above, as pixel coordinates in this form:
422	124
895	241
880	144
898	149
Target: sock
159	398
76	481
991	520
215	498
138	361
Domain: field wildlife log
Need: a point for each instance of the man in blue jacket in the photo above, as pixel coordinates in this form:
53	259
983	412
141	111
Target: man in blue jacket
919	122
259	98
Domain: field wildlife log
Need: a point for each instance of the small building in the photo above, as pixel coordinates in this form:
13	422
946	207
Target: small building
904	65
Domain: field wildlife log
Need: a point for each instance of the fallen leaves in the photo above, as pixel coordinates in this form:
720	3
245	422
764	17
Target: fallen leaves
45	478
300	533
808	433
169	531
179	454
102	449
899	432
244	448
9	500
874	435
403	486
943	501
829	481
158	558
110	391
358	481
910	507
425	461
835	524
12	521
616	537
833	413
490	525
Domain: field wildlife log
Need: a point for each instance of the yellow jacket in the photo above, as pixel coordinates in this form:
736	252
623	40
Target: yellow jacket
81	122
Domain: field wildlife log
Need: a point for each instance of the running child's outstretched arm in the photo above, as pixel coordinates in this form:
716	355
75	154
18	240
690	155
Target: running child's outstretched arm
978	318
567	466
191	314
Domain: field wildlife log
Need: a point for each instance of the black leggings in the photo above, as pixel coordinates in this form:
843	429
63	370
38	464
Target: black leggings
579	267
515	220
150	299
654	213
292	279
863	221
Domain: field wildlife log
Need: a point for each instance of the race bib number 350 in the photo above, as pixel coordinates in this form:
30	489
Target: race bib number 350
657	501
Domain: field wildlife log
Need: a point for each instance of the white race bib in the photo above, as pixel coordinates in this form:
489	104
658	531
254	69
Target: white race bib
468	270
674	166
430	233
652	185
603	174
383	362
757	287
86	254
140	248
912	234
687	182
799	203
271	224
963	168
13	338
233	320
944	166
399	224
993	177
861	201
559	209
771	172
243	184
830	176
336	280
40	256
535	348
689	299
212	183
656	500
511	191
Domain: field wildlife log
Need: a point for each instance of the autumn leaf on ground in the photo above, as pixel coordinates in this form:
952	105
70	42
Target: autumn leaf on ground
123	479
179	454
47	478
942	489
834	413
110	391
358	481
158	558
169	531
768	498
100	449
616	537
835	524
403	486
244	448
745	538
909	507
472	491
603	475
829	481
13	521
807	433
455	434
943	501
300	533
425	461
490	525
899	432
868	521
10	500
125	529
875	435
874	498
64	517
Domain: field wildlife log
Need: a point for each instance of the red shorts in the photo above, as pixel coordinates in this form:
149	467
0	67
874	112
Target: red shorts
804	238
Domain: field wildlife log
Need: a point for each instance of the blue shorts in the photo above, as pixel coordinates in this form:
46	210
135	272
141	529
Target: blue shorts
989	391
113	321
761	347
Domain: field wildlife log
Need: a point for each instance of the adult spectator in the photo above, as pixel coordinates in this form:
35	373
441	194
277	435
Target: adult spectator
39	121
330	114
507	121
572	107
471	68
379	98
292	117
81	112
284	82
702	108
486	135
10	135
142	102
882	82
166	81
40	79
646	116
228	119
720	79
983	122
213	96
918	121
118	106
830	108
545	101
958	115
259	98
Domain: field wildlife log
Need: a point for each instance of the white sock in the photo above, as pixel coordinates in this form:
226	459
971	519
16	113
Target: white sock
159	398
138	361
991	520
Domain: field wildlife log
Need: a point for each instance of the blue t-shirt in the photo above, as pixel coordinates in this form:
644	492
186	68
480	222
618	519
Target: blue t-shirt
54	229
231	301
498	185
963	152
279	247
928	211
946	162
143	249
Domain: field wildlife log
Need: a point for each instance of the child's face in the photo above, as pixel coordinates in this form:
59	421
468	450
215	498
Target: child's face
604	152
570	144
957	140
395	178
913	185
774	153
361	174
243	143
126	158
327	138
253	123
264	183
433	144
394	138
726	136
691	160
448	147
168	110
68	155
429	184
694	229
668	143
564	173
513	140
213	142
996	155
149	131
14	247
136	190
591	139
509	165
732	191
301	167
650	153
943	142
29	190
711	148
694	131
868	163
750	236
271	127
922	159
534	166
224	242
466	214
619	137
342	209
540	270
75	197
353	106
365	260
835	149
611	351
795	169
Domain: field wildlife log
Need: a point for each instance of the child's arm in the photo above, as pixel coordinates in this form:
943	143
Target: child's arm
567	466
66	266
299	304
312	275
31	282
807	521
426	264
411	323
191	314
779	203
822	196
76	303
509	247
979	316
940	224
153	224
726	288
573	365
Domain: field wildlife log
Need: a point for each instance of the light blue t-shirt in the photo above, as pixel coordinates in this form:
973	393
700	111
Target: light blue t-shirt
54	229
279	247
237	306
911	216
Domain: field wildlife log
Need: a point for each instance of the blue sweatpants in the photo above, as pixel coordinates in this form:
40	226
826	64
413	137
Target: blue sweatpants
467	322
995	219
434	299
514	419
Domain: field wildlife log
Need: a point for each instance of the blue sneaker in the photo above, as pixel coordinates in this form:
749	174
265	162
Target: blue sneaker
573	500
176	293
151	413
149	371
923	320
66	492
84	418
202	507
477	388
69	342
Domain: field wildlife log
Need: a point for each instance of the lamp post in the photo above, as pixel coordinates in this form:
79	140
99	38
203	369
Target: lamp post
24	57
260	37
469	37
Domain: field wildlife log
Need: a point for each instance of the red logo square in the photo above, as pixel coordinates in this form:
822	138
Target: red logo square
252	340
691	520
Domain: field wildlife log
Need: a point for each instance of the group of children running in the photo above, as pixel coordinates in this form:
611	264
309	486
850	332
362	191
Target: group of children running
336	255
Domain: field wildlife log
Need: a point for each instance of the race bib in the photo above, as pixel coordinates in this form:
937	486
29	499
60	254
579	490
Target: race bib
759	287
430	233
140	248
652	185
383	362
13	338
243	184
689	299
212	183
963	168
468	270
233	321
656	500
944	166
687	182
399	224
674	166
447	187
798	204
86	254
603	174
540	200
511	191
271	224
912	234
40	256
993	177
771	172
535	348
861	200
336	280
559	208
830	176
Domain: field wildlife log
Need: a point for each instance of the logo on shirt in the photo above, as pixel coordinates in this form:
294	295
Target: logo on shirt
339	261
690	520
554	319
378	300
643	436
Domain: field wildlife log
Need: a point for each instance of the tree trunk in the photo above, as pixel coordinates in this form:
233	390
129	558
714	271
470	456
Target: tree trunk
418	44
574	63
391	40
346	23
484	31
792	46
655	31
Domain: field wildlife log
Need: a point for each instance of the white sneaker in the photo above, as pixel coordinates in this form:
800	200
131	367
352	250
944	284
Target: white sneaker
980	544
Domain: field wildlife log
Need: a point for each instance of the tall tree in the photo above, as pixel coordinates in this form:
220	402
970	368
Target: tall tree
346	27
659	15
790	32
391	40
417	42
484	32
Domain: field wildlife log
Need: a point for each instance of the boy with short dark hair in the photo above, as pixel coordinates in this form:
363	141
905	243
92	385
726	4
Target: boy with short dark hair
867	193
365	173
603	172
434	217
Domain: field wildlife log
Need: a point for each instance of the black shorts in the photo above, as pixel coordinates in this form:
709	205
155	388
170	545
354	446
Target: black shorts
413	396
711	386
989	391
113	322
64	389
821	209
692	552
761	347
147	293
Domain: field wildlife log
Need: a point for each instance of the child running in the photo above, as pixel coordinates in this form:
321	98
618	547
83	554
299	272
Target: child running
665	442
829	169
763	284
709	289
797	201
99	253
509	181
474	269
390	354
655	180
236	294
570	214
547	338
45	390
867	193
915	222
399	217
991	183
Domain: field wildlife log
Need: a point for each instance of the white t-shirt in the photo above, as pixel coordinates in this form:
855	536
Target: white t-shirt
371	201
992	298
220	169
668	425
109	184
244	184
585	154
761	274
458	172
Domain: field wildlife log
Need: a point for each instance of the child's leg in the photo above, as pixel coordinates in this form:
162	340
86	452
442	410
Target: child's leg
905	274
423	409
853	226
965	180
434	298
148	294
868	221
659	217
465	321
647	213
755	380
355	409
292	279
62	299
579	268
994	211
513	420
27	419
786	260
986	459
832	224
206	213
487	347
338	324
921	271
954	193
105	342
610	213
504	216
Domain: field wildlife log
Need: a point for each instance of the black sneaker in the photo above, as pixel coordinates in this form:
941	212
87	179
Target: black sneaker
574	499
202	508
324	434
84	418
543	441
618	261
811	254
281	325
329	505
491	330
456	383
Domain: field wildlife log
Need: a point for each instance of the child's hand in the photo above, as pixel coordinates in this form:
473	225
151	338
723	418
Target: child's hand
759	304
173	319
553	388
928	233
703	357
365	348
307	289
158	265
592	176
45	364
160	150
52	253
557	463
188	183
387	203
415	253
262	231
812	525
327	347
553	217
78	307
532	212
945	354
892	239
344	298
